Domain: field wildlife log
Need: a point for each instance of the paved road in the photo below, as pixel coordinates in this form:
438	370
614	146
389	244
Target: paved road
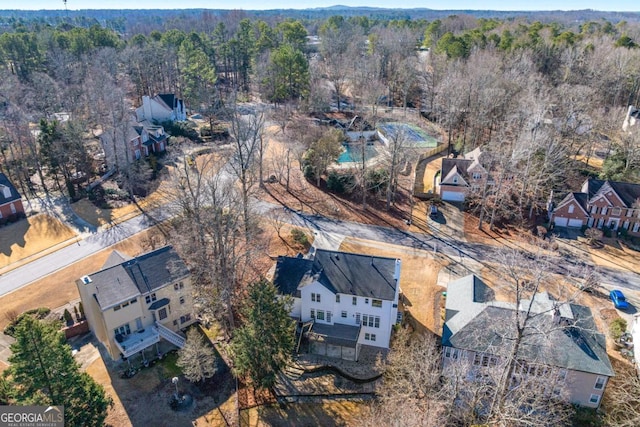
445	245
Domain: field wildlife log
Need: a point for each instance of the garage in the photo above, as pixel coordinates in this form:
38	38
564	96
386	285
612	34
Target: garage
561	222
577	223
453	196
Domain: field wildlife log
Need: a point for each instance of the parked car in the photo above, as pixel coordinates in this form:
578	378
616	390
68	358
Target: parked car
619	301
434	212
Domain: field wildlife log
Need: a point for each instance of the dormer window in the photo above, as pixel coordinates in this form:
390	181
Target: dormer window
477	175
571	208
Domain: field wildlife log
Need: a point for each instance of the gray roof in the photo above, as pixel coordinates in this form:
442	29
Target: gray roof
115	258
562	335
340	272
627	191
460	163
339	334
4	182
137	276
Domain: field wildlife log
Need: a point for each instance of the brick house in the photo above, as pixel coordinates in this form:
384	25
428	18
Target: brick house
10	200
600	204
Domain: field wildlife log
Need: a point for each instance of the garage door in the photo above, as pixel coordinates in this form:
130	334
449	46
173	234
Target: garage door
561	222
453	196
575	223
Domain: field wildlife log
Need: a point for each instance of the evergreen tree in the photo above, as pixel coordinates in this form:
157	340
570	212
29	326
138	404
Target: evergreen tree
44	372
264	343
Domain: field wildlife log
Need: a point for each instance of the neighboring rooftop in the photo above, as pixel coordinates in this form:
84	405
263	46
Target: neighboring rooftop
118	282
557	334
8	192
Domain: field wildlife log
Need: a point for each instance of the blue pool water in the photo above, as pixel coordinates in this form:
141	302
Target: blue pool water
353	153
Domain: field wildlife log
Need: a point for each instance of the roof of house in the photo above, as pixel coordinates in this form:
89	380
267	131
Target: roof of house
461	166
169	99
557	334
340	272
337	334
14	195
580	198
628	192
137	276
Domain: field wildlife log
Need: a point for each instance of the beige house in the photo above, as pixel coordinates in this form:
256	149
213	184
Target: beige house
133	303
559	340
461	176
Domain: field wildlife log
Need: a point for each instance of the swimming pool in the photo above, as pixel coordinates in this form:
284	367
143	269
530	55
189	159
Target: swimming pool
353	153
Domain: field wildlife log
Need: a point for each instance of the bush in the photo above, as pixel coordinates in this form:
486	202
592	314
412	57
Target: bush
300	237
617	328
339	183
38	313
606	231
67	317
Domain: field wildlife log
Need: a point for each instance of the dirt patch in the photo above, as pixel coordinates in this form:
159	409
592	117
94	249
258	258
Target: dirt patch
29	237
614	255
418	279
326	413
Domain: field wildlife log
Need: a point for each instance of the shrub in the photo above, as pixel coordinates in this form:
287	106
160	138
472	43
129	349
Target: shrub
339	183
607	232
300	237
38	313
81	308
67	317
617	328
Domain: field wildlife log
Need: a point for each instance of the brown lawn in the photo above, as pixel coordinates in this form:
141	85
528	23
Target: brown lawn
326	414
30	237
59	288
429	174
418	279
614	255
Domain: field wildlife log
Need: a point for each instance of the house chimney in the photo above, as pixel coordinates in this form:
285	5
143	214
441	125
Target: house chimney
146	108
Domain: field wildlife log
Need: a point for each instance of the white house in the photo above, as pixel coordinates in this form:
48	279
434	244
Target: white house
349	299
161	108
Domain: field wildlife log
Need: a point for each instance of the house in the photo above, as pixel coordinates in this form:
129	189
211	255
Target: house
161	108
600	203
140	139
349	300
631	119
133	303
459	176
560	339
10	200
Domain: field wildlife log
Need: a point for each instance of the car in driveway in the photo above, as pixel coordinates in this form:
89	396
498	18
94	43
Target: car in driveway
619	301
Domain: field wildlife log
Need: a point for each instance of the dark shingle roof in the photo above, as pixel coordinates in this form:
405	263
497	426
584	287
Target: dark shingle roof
14	195
337	334
138	276
488	327
628	192
169	99
340	272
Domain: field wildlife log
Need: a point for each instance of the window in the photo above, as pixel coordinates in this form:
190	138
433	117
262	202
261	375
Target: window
354	301
636	226
122	330
625	225
455	179
604	210
357	318
594	398
125	304
175	322
181	300
337	297
616	211
343	314
133	301
329	316
175	286
315	297
571	208
367	336
116	308
629	212
313	314
451	352
13	208
150	298
376	322
162	313
373	337
372	321
477	175
366	300
185	318
600	381
320	315
594	209
181	285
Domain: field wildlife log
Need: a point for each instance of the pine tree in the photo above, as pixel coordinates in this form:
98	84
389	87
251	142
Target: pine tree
44	372
264	343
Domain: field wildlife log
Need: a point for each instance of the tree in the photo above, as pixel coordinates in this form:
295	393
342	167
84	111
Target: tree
323	152
287	75
44	372
197	359
263	345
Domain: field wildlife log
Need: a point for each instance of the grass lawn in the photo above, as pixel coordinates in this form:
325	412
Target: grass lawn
31	236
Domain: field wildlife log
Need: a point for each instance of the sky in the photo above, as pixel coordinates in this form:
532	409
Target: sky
612	5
